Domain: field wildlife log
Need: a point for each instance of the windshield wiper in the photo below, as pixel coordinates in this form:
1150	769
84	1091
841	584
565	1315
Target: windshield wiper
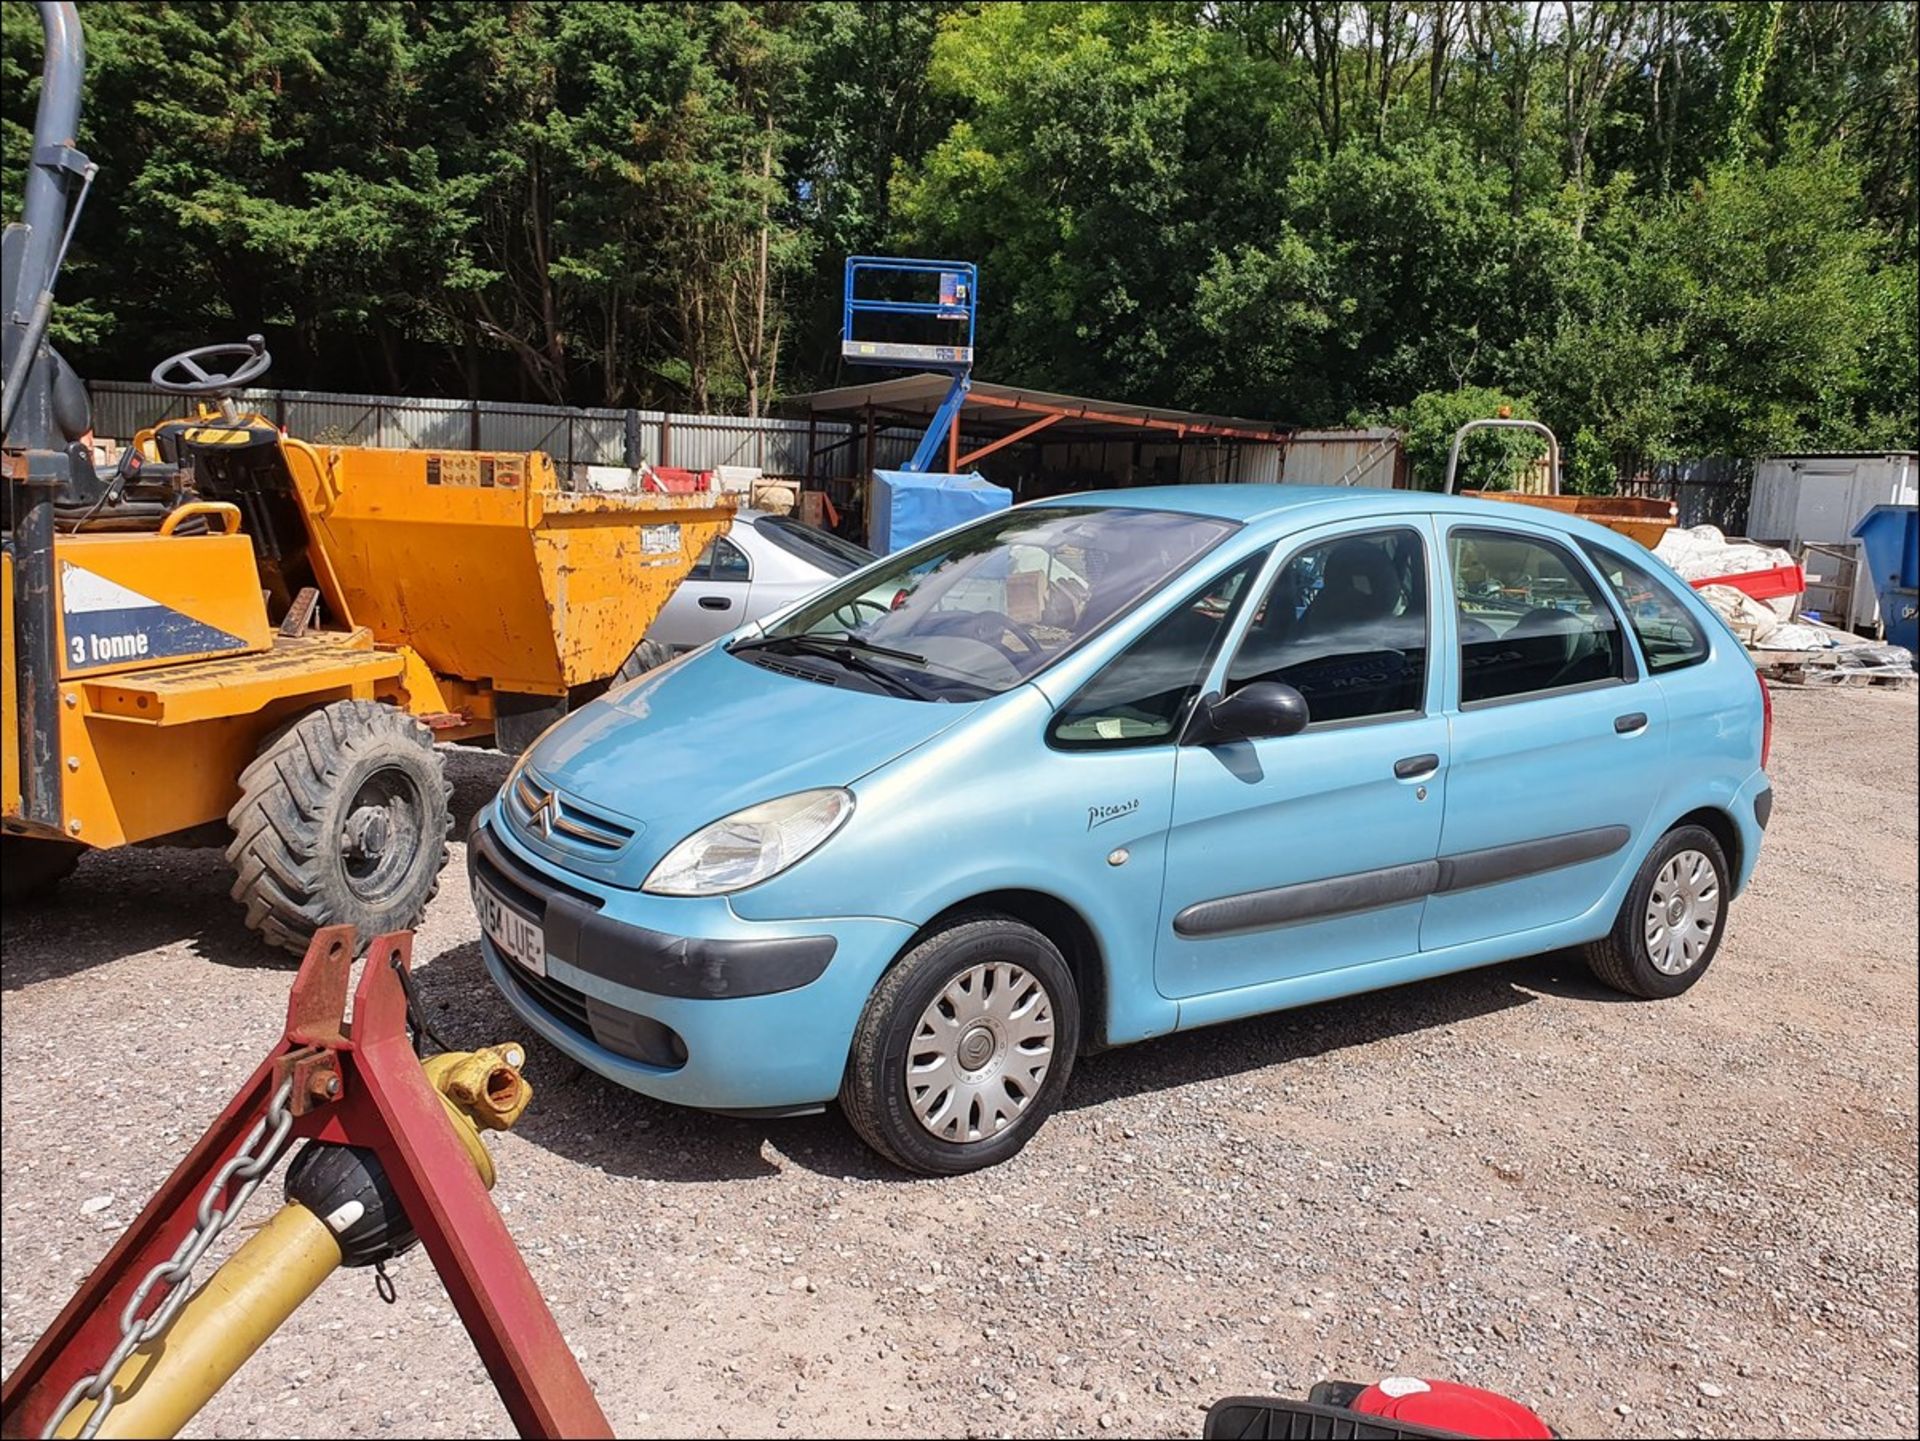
845	638
842	650
862	643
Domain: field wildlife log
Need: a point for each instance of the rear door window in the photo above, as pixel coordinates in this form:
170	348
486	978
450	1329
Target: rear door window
722	560
1531	618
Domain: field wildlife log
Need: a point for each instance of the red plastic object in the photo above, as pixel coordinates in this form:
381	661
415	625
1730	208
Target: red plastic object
1450	1406
674	480
383	1102
1761	584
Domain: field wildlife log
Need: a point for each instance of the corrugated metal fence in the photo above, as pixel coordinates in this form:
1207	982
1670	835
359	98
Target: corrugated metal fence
1370	459
1710	490
628	437
571	436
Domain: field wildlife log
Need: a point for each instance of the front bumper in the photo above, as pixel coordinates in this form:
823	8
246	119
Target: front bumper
679	998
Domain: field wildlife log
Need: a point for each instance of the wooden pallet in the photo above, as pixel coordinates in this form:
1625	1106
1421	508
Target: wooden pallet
1842	675
1822	668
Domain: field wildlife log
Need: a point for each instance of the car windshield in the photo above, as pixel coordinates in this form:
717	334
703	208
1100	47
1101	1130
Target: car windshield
820	549
981	610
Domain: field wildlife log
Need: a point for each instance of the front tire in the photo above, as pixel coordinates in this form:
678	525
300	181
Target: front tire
1670	923
964	1049
342	819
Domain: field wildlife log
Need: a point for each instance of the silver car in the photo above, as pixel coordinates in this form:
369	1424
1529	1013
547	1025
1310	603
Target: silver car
760	564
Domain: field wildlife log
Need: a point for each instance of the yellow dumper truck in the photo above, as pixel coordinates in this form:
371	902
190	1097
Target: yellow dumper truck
236	629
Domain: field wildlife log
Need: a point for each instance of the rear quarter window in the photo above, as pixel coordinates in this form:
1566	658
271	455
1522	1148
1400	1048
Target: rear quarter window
818	548
1670	637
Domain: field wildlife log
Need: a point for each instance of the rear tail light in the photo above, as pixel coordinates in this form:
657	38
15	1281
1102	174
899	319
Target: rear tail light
1766	726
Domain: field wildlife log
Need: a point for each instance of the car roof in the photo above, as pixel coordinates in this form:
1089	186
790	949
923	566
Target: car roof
1314	504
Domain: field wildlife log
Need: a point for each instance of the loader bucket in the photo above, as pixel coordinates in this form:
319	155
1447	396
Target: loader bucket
488	569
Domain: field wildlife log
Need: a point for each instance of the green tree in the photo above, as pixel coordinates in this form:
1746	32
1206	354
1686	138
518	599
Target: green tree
1678	226
1489	459
1099	154
867	108
1755	314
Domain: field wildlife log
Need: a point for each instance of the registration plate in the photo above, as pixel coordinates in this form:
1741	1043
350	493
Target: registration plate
518	938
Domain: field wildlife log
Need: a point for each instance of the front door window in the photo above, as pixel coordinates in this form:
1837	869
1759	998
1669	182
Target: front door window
1345	624
1143	695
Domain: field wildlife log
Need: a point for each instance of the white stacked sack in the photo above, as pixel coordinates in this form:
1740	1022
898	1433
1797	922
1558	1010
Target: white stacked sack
1705	551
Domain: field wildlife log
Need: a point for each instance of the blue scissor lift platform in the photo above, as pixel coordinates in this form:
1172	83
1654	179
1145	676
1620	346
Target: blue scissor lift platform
956	284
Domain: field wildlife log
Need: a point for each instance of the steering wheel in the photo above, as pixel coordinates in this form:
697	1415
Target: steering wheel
991	625
196	379
849	615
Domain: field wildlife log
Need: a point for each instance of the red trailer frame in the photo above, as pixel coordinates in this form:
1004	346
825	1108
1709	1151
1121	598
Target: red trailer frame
360	1086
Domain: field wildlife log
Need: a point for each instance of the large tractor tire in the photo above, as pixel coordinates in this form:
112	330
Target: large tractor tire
31	867
342	819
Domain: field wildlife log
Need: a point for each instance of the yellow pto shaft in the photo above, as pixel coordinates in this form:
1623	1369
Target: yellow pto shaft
163	1384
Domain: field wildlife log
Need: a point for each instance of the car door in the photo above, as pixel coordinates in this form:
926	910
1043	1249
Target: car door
1115	741
1558	742
712	600
1296	854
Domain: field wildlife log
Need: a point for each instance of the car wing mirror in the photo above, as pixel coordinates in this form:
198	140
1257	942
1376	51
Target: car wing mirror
1256	711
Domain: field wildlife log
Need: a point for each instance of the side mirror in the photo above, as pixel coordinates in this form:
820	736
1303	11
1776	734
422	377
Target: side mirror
1257	710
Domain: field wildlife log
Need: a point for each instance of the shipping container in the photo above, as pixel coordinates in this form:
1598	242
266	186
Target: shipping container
1819	499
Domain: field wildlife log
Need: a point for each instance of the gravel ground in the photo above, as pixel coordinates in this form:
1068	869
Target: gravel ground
1694	1218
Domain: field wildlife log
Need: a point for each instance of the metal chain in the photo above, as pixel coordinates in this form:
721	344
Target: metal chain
249	1167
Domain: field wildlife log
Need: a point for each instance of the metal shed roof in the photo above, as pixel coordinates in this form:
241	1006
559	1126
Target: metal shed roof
1001	410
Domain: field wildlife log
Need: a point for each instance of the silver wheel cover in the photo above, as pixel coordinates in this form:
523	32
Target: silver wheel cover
1682	911
980	1052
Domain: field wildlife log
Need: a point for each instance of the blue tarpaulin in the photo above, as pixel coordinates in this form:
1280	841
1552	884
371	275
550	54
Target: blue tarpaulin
908	505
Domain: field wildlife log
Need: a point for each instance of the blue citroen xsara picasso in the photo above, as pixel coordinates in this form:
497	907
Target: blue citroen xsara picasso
1109	766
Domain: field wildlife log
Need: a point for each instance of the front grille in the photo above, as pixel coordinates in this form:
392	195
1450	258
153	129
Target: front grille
624	1033
556	998
525	887
564	821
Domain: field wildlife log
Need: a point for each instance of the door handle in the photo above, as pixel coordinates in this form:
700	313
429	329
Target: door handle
715	602
1631	724
1416	767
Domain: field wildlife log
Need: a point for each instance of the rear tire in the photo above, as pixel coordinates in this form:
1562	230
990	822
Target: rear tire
1671	921
964	1049
31	867
342	819
644	657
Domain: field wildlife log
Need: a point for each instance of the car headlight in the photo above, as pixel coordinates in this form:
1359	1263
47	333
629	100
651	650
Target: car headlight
748	846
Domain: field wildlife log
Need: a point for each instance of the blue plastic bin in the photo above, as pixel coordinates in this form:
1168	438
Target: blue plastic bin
1890	535
908	506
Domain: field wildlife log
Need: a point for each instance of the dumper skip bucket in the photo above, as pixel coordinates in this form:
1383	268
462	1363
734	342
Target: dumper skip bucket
489	570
